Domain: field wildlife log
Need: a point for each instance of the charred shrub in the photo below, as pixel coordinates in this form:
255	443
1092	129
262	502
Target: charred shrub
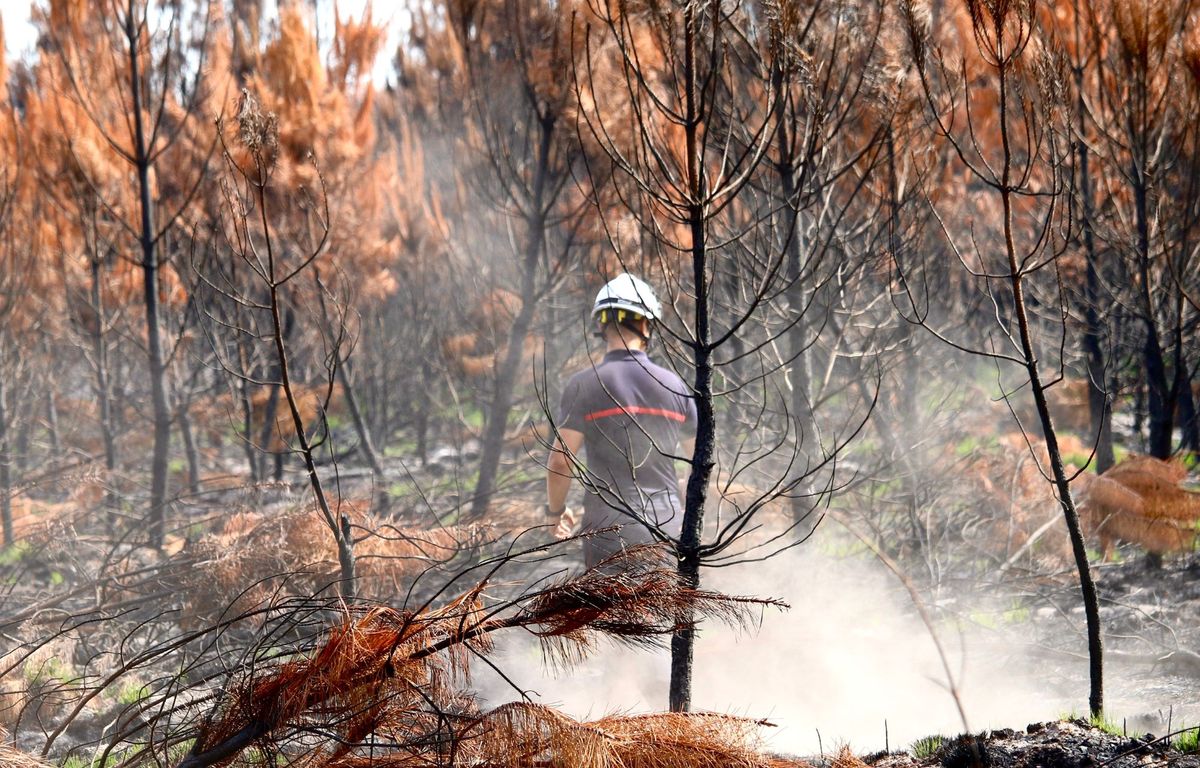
971	751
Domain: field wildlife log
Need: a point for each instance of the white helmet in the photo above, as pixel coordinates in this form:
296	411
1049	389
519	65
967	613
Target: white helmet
626	293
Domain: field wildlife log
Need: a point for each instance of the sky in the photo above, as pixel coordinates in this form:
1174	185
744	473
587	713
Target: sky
20	36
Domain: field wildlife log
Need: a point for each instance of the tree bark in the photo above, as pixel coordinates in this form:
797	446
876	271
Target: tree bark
800	369
1183	405
190	452
104	395
1158	400
266	435
150	278
6	489
52	423
422	415
506	375
1099	404
1087	586
703	458
366	445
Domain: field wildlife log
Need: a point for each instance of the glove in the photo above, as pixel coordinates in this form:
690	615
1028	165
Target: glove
568	522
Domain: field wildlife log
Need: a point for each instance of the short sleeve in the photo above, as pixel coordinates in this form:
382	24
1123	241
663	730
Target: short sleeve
570	411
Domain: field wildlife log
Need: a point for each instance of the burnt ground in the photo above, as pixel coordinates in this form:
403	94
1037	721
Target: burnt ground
1151	618
1063	744
1150	615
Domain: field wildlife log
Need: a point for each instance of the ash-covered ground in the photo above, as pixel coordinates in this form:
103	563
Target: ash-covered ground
1061	744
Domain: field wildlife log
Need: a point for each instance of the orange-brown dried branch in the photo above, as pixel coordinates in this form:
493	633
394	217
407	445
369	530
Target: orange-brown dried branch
391	671
635	596
526	734
1140	501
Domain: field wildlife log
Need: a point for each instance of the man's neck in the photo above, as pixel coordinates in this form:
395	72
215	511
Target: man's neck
625	341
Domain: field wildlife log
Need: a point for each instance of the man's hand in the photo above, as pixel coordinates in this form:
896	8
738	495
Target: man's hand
568	522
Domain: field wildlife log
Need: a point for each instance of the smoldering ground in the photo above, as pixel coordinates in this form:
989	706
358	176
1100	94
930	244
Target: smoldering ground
851	662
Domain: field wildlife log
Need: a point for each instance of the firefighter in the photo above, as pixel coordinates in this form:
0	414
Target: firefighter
631	419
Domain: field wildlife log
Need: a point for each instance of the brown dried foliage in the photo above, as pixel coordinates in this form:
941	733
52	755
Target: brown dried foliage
256	558
1016	503
1140	501
10	757
314	402
324	146
391	673
476	353
528	734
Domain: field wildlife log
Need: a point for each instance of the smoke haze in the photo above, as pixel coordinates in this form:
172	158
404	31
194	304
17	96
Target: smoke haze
849	663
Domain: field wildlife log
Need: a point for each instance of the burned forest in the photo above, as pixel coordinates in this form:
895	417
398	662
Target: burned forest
600	383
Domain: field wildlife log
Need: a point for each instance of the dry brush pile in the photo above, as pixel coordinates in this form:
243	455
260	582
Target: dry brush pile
148	665
1142	500
385	687
255	558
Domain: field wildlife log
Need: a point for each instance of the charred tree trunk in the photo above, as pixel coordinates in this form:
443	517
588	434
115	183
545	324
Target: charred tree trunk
800	369
1087	586
497	422
1182	402
266	435
150	277
704	457
506	375
1158	395
1188	423
189	450
366	445
1158	399
422	414
20	455
246	406
1099	403
52	422
6	487
104	395
792	168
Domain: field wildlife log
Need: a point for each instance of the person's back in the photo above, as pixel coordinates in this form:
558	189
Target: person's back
629	416
631	413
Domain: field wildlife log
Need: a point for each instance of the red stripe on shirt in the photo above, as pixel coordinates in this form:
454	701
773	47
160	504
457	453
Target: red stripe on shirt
639	410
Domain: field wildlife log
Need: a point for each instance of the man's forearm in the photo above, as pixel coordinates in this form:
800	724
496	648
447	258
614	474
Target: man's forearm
559	469
558	483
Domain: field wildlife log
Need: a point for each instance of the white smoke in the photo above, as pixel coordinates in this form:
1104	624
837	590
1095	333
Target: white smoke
849	663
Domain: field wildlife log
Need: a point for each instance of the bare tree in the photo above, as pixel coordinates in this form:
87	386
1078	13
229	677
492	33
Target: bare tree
136	58
506	61
1084	54
685	102
829	126
269	287
1144	199
1008	81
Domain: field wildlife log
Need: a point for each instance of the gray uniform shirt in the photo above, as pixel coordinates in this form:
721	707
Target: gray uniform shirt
633	414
